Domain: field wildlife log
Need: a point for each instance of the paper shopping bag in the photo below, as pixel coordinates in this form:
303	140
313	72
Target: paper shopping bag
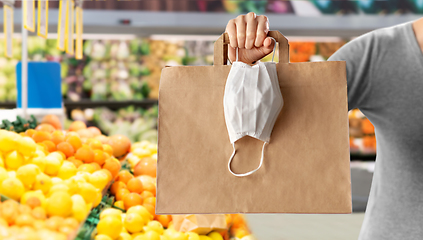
199	223
306	163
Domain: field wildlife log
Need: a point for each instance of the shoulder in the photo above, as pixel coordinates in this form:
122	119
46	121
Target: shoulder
372	42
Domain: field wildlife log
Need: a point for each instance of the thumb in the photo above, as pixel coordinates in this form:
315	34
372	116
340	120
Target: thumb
268	46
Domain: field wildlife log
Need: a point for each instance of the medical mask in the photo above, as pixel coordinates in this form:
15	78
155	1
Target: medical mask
252	103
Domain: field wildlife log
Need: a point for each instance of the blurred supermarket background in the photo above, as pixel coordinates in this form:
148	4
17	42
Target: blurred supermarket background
127	43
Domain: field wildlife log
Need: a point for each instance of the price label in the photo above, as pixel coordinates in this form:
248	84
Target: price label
79	30
29	12
43	18
61	28
8	30
70	27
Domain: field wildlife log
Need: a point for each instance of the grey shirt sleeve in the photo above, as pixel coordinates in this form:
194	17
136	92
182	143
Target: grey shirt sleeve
358	55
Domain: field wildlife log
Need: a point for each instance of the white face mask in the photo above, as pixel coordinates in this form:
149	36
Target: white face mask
252	102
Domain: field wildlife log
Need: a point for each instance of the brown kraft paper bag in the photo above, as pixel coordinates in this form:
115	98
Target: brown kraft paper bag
199	223
306	166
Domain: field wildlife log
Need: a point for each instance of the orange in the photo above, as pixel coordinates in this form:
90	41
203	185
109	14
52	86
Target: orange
121	193
75	161
109	175
9	211
75	141
146	166
96	166
53	120
51	147
120	144
39	213
24	220
151	209
96	144
71	222
57	137
116	186
108	149
24	209
85	153
30	132
164	219
103	139
41	136
66	148
45	127
134	185
54	223
77	125
33	202
148	184
124	176
95	131
99	157
150	200
146	194
132	199
85	133
112	166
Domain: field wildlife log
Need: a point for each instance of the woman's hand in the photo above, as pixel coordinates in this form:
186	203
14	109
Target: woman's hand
249	34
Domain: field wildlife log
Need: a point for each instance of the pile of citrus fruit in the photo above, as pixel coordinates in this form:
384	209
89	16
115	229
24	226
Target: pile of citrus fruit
57	176
135	193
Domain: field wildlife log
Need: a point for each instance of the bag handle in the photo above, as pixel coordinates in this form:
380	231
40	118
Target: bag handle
221	48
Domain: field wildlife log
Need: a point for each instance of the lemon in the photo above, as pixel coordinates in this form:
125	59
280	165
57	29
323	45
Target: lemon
124	236
59	204
43	183
27	174
38	153
72	185
67	170
138	236
133	160
204	237
102	237
142	211
119	204
12	174
1	160
84	175
40	161
193	236
152	235
154	226
111	212
134	222
110	226
88	192
52	166
8	141
3	174
79	209
56	155
215	236
56	180
154	156
141	153
12	188
60	187
174	235
13	160
97	199
99	179
27	146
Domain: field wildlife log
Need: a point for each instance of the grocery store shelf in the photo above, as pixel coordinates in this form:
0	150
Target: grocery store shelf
144	23
69	105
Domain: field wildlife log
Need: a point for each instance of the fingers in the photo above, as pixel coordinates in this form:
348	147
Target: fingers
251	21
241	30
262	30
231	30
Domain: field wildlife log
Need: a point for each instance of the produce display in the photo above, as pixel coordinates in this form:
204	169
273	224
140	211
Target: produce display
53	178
362	134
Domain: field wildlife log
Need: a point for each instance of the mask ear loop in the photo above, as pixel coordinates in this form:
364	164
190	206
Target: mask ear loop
250	172
274	48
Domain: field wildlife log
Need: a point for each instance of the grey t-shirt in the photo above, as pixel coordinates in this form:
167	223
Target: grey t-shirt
385	81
